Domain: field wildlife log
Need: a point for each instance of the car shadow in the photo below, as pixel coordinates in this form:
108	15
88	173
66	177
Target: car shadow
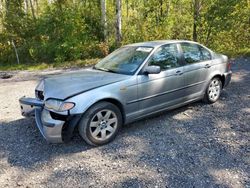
196	151
24	146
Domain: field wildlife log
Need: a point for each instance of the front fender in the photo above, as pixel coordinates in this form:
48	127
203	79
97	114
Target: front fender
85	100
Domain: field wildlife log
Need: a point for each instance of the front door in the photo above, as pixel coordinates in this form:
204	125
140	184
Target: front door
158	91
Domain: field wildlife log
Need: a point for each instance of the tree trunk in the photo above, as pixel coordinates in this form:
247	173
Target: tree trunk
1	15
161	9
32	10
26	6
196	14
127	8
208	35
37	7
1	7
104	19
118	23
17	57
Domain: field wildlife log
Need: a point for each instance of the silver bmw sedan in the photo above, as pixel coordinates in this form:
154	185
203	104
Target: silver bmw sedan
133	82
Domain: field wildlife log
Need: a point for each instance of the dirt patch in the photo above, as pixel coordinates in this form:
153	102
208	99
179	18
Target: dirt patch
5	75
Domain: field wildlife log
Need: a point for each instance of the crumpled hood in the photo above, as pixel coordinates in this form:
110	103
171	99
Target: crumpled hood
70	84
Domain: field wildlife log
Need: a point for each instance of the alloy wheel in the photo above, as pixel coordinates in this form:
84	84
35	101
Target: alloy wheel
214	90
103	125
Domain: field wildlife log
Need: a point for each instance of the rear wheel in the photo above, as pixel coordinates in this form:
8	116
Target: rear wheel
213	90
100	124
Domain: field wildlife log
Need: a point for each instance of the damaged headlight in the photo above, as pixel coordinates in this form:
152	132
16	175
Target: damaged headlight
58	105
39	90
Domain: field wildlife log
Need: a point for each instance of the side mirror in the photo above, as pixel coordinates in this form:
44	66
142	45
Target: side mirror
152	69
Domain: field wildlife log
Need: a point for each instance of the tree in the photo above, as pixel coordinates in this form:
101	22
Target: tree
104	19
197	4
118	22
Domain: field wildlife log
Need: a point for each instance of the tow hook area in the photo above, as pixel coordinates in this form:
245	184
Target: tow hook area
28	106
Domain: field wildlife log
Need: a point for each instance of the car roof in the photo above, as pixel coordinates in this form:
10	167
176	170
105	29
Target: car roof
157	43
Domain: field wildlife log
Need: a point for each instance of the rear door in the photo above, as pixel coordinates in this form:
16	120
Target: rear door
158	91
198	62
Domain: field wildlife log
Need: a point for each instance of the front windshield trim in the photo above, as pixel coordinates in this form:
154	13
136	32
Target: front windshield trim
144	56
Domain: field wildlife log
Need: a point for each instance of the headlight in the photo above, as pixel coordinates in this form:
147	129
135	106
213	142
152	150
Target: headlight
58	105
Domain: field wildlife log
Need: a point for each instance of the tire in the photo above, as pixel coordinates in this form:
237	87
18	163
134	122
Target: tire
213	91
103	118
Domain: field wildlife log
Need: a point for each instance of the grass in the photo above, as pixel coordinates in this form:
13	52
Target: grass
42	66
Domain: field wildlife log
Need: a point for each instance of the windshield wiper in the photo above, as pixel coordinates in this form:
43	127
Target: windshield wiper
104	69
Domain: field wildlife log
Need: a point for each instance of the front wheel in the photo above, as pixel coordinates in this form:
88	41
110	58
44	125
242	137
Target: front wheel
100	124
213	91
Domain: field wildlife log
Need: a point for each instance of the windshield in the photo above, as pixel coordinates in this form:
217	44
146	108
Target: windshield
125	60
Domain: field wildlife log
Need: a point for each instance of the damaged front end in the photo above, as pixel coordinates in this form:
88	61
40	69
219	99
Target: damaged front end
51	129
55	127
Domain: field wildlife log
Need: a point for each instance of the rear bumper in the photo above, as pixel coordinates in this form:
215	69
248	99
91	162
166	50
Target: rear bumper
51	129
227	76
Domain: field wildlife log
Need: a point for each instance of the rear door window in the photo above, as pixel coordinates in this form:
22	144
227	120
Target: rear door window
191	52
206	55
194	53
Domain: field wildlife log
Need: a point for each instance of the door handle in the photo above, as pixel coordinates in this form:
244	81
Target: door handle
207	66
178	73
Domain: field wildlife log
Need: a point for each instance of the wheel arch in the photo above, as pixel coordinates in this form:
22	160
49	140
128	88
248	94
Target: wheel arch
116	103
72	124
221	77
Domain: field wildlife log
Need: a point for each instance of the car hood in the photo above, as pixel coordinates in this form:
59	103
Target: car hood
69	84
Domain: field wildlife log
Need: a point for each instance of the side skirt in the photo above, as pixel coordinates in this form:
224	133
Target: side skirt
137	117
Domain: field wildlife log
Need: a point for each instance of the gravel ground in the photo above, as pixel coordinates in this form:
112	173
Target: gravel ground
197	145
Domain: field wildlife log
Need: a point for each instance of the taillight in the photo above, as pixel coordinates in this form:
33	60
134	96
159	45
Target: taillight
229	66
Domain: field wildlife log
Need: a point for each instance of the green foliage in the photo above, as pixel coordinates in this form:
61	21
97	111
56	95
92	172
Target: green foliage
68	30
62	33
60	38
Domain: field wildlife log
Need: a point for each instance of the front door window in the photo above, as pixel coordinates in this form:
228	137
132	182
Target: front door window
166	57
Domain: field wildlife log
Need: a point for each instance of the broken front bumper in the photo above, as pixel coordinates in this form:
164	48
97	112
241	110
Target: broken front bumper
50	128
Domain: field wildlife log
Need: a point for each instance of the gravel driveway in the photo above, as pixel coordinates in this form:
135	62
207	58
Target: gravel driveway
197	145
